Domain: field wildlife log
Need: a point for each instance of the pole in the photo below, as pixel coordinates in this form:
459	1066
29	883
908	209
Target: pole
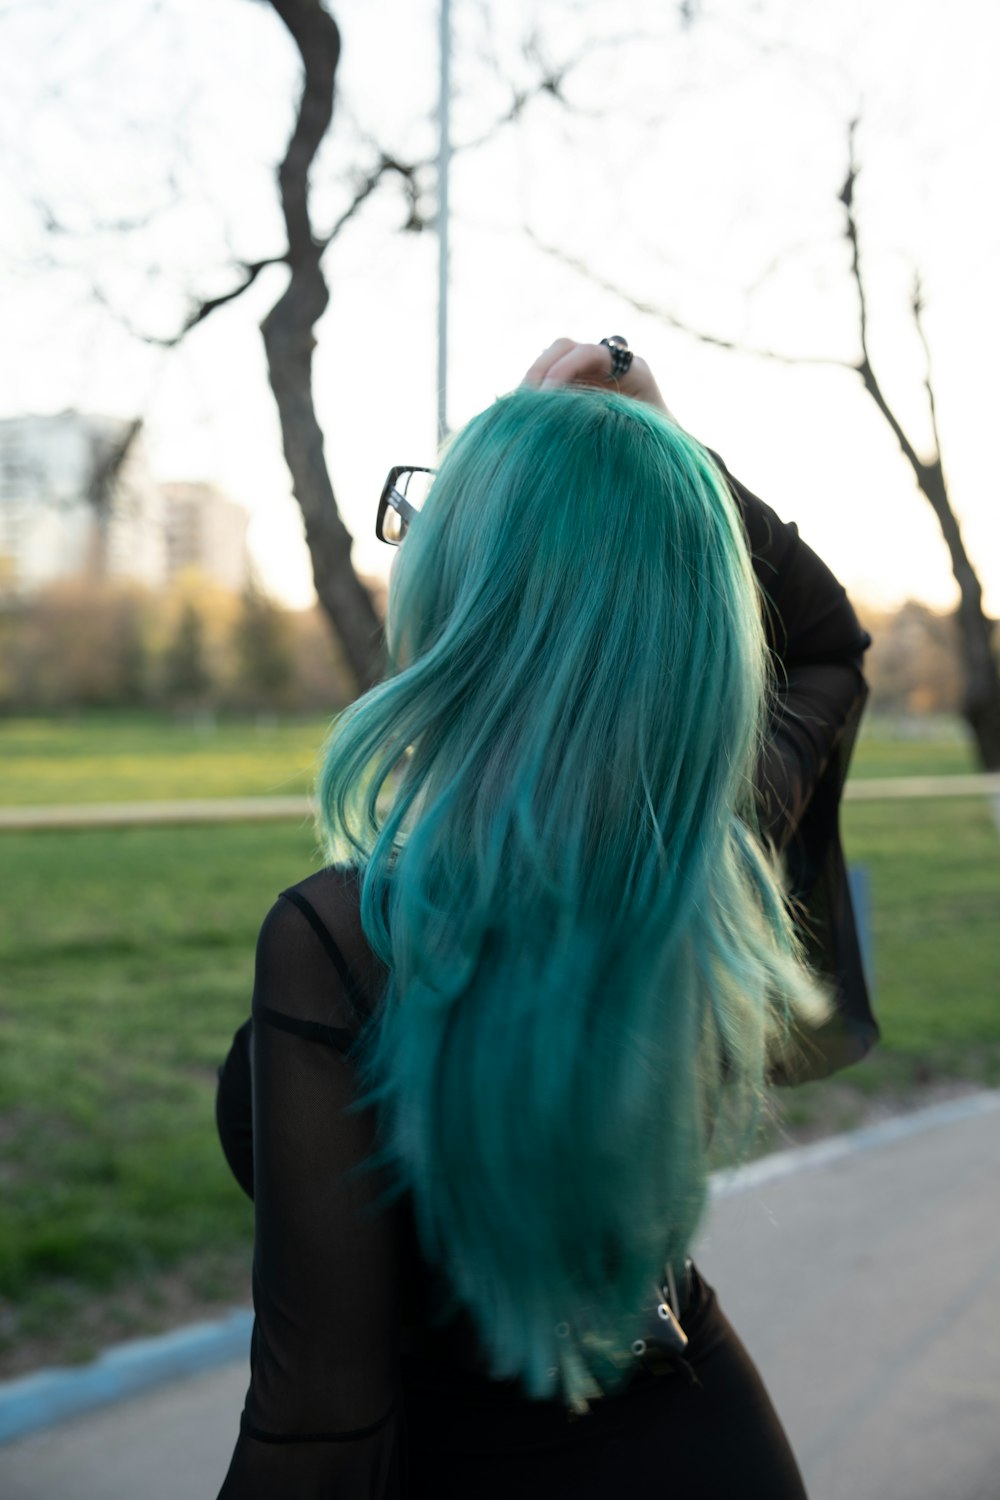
444	162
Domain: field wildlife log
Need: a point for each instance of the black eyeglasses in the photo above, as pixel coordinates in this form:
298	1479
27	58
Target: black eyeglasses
402	496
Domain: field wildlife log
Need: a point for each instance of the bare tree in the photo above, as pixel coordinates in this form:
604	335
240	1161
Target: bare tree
288	328
981	695
289	339
289	342
981	702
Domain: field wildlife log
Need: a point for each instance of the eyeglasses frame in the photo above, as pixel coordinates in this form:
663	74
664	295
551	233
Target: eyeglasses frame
394	497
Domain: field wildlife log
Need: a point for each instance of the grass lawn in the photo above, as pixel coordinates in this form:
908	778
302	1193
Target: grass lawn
914	747
131	757
126	962
934	869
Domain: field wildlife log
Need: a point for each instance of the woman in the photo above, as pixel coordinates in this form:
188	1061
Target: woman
491	1045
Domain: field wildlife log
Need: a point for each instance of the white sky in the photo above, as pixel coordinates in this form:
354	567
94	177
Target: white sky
698	168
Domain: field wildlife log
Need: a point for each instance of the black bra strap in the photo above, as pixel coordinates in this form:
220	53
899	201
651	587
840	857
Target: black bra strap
354	991
312	1031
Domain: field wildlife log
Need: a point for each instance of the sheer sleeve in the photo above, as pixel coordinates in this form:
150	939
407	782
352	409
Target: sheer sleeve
818	647
320	1417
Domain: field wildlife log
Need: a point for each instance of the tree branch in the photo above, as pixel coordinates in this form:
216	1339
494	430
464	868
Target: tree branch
917	308
550	82
663	315
315	34
407	171
982	678
846	197
981	705
198	313
53	225
108	460
865	368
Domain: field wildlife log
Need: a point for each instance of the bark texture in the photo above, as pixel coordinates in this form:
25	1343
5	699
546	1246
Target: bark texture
289	342
981	697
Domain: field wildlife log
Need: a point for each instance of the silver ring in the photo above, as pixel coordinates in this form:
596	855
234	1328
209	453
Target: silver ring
621	355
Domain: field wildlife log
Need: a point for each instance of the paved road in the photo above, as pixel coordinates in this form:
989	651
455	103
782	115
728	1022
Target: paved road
867	1288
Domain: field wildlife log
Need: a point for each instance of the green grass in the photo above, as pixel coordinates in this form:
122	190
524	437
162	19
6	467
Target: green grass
914	747
934	870
935	875
128	758
126	961
131	757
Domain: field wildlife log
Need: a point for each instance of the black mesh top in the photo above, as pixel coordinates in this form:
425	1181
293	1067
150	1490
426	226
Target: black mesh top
335	1282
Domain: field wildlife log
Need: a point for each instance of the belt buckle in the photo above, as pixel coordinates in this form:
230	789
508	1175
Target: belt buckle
665	1337
668	1310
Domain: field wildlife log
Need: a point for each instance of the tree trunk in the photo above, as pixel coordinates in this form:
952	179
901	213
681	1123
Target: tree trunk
289	343
981	701
981	695
981	698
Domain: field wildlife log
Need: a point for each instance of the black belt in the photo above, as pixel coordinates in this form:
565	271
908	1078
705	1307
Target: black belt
660	1346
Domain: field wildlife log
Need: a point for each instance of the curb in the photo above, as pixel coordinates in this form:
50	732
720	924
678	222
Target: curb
50	1396
839	1148
33	1402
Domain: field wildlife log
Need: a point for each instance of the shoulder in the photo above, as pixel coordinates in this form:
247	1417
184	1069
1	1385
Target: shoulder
333	885
332	893
318	920
772	542
808	616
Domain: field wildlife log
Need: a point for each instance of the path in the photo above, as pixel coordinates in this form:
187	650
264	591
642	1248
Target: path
863	1274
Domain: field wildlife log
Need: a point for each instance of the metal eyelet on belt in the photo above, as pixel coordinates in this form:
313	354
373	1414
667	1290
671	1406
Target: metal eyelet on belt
672	1333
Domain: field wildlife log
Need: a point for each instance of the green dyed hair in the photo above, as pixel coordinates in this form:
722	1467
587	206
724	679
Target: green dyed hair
550	797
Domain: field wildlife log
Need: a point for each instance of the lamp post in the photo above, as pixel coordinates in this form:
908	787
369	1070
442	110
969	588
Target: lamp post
444	163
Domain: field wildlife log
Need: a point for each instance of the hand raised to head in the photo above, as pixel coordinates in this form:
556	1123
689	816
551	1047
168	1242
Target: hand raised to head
567	362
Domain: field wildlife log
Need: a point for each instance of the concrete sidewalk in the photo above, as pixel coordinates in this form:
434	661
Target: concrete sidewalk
864	1276
868	1292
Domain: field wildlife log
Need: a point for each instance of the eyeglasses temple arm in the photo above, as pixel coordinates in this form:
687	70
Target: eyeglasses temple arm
399	503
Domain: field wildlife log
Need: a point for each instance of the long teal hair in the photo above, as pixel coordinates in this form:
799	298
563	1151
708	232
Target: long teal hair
551	800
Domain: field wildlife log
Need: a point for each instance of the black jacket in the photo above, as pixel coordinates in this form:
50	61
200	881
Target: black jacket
818	645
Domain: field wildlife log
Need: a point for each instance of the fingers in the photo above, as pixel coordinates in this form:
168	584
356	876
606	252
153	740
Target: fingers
579	364
567	362
548	357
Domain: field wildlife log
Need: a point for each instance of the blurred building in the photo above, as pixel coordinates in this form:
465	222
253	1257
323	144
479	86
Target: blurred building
77	499
71	504
208	531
